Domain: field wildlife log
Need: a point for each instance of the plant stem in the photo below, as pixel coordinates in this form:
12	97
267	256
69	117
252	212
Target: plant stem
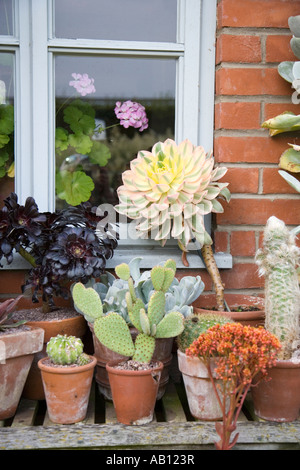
27	256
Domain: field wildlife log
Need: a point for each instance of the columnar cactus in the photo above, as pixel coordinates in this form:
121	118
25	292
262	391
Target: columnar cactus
152	322
277	261
196	324
65	350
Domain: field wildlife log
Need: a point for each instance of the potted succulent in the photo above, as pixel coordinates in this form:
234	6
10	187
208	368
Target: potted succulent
112	291
278	259
112	330
18	344
61	247
239	353
67	374
202	401
167	192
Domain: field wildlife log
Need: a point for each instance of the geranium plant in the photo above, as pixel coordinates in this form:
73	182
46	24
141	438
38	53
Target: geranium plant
168	191
239	353
77	134
71	244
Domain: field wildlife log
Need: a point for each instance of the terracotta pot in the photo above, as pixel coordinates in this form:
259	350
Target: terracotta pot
67	390
16	355
203	403
134	393
278	399
162	352
206	304
75	326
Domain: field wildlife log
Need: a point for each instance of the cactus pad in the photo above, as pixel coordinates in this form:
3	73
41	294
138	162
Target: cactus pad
87	301
144	348
123	271
156	307
171	325
112	331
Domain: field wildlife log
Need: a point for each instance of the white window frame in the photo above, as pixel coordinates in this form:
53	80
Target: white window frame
35	48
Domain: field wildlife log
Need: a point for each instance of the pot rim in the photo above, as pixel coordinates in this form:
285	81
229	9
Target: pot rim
112	370
287	364
65	369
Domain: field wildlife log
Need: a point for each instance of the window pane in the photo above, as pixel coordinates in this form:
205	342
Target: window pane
6	16
6	124
150	82
130	20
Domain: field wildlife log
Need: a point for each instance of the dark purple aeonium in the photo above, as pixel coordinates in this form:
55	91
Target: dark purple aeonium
62	247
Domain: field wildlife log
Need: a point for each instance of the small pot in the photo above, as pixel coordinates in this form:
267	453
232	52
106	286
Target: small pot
16	355
76	326
67	390
134	392
277	398
207	304
202	400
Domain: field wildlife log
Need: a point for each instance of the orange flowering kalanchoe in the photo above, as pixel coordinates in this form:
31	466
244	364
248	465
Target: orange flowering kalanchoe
241	353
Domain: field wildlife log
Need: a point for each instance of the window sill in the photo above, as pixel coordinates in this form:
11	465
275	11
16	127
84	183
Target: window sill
151	256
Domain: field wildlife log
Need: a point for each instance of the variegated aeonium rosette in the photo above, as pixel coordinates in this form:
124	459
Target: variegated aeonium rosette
169	190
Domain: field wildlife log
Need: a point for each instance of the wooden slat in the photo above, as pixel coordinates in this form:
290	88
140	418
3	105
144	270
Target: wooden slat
25	414
174	411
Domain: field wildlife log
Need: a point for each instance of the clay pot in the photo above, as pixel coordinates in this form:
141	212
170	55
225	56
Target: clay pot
278	399
134	393
205	303
67	390
16	355
162	352
202	400
76	326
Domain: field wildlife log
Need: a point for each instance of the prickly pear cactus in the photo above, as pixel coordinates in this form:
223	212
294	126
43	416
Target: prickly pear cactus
64	350
87	302
196	324
278	261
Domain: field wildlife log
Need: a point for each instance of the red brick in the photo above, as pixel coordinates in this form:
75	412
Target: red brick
242	180
238	48
242	276
278	48
273	109
250	81
256	13
239	115
221	241
242	243
257	211
273	183
250	149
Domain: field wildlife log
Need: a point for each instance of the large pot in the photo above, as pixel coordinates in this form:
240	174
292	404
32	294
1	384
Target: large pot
16	355
75	326
247	316
162	352
202	400
67	390
134	393
278	397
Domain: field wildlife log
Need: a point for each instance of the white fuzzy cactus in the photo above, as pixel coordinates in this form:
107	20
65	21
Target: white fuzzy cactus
278	261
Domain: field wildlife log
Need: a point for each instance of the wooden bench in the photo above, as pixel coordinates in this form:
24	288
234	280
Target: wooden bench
173	428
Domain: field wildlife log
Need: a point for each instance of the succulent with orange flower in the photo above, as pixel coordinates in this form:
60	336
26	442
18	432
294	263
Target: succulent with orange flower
169	190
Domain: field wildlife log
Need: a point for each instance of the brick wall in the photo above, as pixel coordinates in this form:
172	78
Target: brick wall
252	38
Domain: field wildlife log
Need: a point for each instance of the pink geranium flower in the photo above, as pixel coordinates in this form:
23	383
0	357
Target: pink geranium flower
83	84
131	114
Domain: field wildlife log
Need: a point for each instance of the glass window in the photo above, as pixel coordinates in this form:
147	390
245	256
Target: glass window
94	161
6	123
127	20
6	18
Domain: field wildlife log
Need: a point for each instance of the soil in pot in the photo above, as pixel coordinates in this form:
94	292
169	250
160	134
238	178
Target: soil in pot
60	321
278	397
162	352
134	390
67	390
245	309
17	349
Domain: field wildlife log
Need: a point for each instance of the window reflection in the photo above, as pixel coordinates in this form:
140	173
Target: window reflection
127	20
6	124
6	15
150	82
